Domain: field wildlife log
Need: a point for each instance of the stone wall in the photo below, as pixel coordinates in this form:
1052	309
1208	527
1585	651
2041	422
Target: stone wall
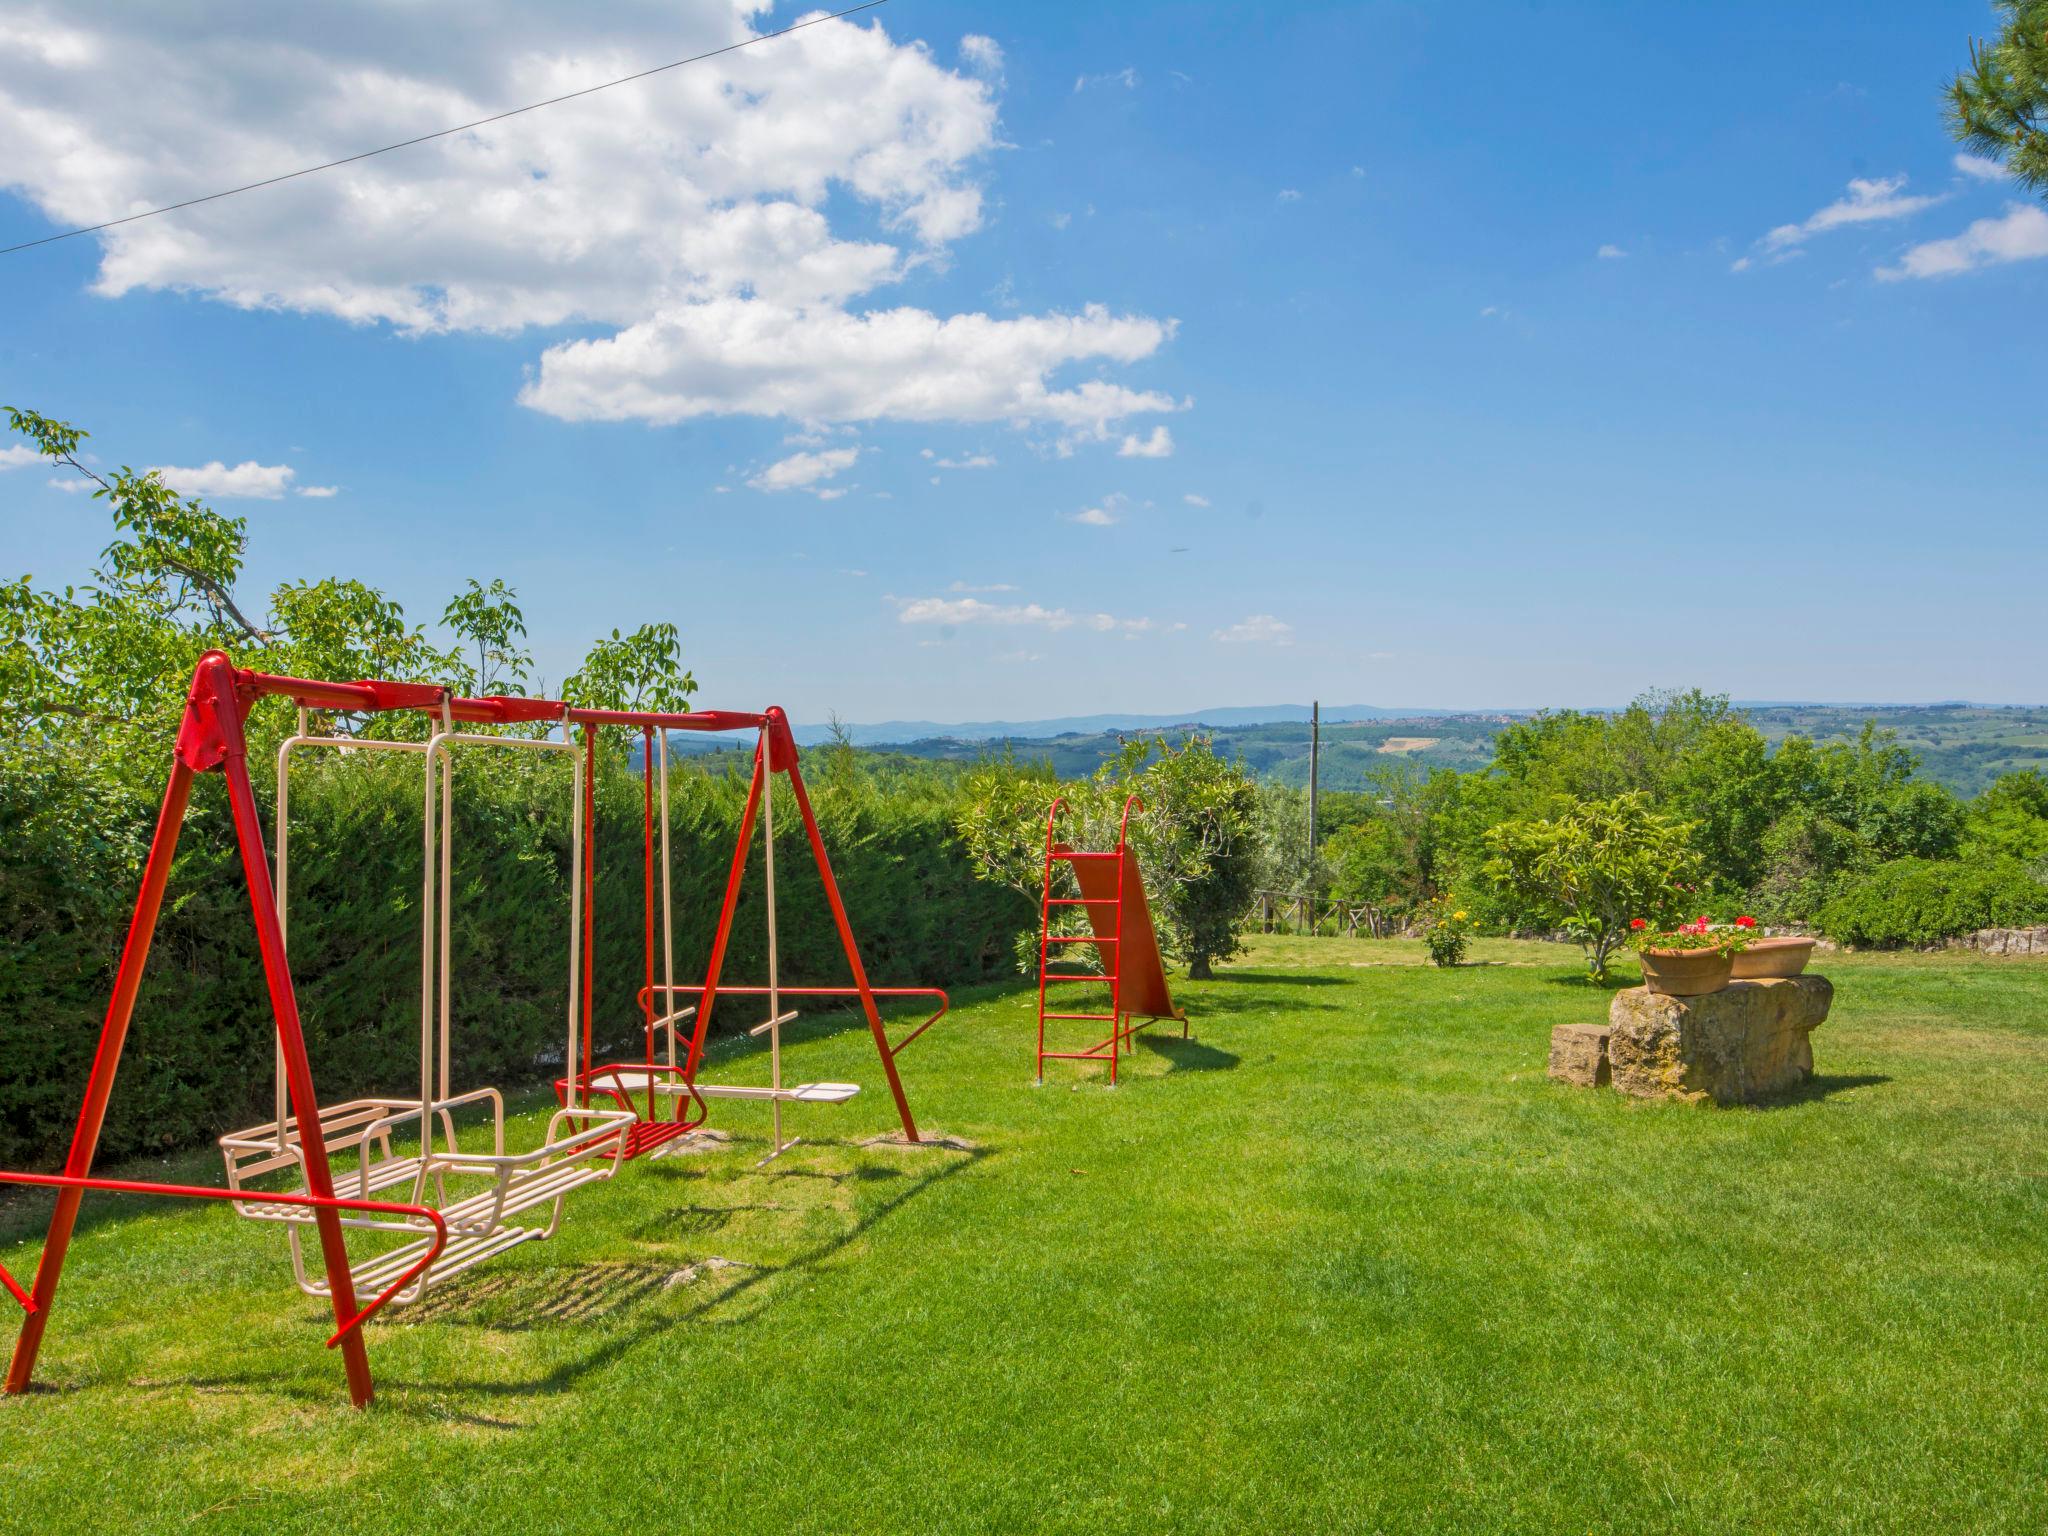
2005	941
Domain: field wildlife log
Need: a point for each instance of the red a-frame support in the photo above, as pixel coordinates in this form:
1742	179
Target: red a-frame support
777	753
210	737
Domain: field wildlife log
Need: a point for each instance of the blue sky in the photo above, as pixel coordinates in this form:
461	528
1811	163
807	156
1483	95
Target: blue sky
1429	445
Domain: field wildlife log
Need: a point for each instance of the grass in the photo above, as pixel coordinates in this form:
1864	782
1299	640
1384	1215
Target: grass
1348	1261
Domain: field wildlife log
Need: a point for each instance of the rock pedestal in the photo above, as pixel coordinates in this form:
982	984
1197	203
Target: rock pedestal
1745	1042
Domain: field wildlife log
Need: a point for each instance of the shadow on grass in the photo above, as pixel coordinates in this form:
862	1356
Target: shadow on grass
1584	983
1188	1055
1283	978
1822	1086
639	1285
1213	1004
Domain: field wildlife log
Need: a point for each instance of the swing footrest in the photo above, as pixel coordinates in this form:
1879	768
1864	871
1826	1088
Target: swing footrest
765	1025
462	1253
795	1093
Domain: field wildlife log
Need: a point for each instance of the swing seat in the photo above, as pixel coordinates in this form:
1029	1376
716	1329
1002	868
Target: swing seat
793	1093
583	1146
361	1126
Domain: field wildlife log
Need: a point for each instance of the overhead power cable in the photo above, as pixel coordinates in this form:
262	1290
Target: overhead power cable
496	117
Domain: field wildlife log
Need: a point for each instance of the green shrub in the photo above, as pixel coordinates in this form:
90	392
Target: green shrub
1924	901
199	1055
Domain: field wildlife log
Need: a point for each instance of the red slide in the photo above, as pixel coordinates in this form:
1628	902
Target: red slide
1143	993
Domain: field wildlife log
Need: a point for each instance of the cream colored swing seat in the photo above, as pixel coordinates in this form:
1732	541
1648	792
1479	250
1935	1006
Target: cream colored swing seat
582	1146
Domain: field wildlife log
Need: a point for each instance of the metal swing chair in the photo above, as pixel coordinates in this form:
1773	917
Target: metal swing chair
582	1145
663	1090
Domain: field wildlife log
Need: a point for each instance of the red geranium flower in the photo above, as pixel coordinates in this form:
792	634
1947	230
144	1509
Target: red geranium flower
1637	922
1745	922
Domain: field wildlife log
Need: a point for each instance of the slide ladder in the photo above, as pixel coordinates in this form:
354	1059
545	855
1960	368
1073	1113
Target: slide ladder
1112	896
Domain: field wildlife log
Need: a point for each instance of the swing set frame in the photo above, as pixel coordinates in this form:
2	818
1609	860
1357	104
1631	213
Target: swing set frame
212	737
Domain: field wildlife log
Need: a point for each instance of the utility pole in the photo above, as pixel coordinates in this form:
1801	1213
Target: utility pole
1315	752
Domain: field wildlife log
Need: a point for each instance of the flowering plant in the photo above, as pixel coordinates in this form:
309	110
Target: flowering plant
1446	932
1696	935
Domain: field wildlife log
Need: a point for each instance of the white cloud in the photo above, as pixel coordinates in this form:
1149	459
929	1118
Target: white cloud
803	471
1102	516
1126	77
1195	501
1289	195
73	487
695	225
1870	200
1259	629
14	455
320	492
735	355
980	53
1059	220
994	586
972	610
1981	168
1358	170
972	461
1610	253
2018	234
248	481
1157	446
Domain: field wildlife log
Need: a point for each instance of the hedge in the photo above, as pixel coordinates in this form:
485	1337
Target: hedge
1926	901
199	1055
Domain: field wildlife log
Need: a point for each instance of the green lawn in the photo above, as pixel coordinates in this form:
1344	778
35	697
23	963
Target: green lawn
1347	1261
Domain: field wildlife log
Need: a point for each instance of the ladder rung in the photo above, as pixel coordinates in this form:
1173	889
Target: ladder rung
1079	901
1105	1016
1109	855
1079	976
1075	938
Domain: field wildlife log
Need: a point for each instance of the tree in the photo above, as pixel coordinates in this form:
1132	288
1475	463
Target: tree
1197	842
488	620
1999	105
1595	867
643	670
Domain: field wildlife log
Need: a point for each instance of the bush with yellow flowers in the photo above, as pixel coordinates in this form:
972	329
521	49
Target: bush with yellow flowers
1446	930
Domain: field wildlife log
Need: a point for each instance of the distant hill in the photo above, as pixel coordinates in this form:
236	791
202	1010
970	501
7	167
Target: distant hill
1964	746
889	733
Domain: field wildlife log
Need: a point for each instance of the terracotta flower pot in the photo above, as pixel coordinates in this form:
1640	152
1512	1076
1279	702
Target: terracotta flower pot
1685	972
1773	957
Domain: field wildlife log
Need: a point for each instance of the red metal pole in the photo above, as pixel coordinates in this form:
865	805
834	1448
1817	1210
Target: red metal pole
589	903
92	1113
647	900
284	1004
725	911
860	974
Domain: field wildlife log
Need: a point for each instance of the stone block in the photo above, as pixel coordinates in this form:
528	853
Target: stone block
1578	1054
1743	1043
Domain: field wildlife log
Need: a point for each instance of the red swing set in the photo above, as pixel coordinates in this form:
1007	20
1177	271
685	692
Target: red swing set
643	1086
212	737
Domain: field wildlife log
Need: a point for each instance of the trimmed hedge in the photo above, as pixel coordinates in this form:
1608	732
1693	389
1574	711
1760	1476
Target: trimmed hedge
1926	901
199	1055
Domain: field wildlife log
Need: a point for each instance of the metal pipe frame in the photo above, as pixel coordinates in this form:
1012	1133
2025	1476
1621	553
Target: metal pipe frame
775	753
